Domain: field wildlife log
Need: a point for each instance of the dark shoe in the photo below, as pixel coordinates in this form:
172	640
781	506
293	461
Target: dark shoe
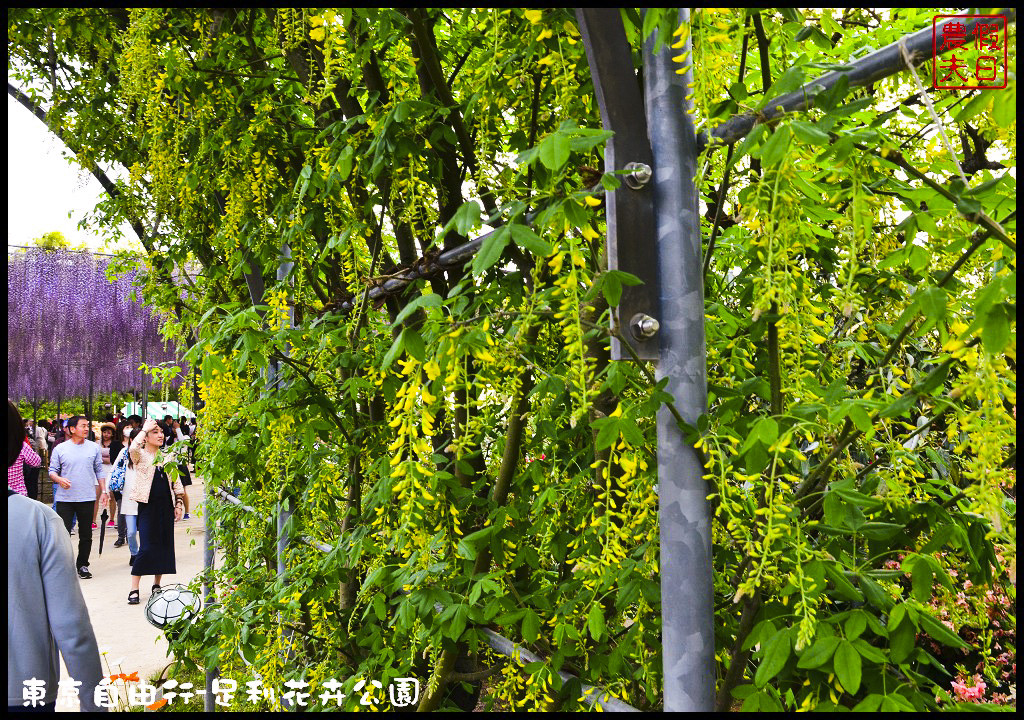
83	572
156	589
133	597
119	542
131	560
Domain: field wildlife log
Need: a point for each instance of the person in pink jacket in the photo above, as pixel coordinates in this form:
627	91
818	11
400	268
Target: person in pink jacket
16	472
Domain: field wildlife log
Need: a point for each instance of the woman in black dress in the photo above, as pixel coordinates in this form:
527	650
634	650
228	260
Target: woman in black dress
158	507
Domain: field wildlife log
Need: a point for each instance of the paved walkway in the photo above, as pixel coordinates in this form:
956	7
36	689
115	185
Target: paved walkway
122	630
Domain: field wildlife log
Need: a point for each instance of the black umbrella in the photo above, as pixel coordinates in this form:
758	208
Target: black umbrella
103	528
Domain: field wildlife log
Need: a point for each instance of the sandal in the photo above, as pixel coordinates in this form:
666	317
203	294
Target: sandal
133	597
156	589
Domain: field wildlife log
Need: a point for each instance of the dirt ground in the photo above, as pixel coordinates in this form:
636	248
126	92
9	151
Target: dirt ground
129	641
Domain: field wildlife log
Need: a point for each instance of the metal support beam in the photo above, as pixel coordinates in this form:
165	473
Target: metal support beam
285	506
868	69
687	590
209	550
630	212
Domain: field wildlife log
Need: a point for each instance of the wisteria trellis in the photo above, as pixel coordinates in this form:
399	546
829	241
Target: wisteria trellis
72	332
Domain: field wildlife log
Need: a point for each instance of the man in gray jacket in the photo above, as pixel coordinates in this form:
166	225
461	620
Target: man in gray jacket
45	607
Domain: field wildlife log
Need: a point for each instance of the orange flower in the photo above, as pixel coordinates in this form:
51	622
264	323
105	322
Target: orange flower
134	677
157	705
114	677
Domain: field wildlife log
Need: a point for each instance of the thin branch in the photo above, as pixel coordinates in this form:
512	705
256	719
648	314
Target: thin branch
428	47
931	107
979	239
979	217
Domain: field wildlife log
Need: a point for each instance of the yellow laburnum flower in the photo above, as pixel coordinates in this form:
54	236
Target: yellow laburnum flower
533	16
548	60
590	233
592	201
317	34
432	369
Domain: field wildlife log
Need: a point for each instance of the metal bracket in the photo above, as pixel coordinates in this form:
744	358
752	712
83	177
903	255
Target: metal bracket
631	240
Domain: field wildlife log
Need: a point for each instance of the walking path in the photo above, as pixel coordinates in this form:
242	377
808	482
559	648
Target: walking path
130	642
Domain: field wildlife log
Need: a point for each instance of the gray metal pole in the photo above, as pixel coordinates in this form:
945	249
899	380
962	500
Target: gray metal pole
209	548
284	507
687	589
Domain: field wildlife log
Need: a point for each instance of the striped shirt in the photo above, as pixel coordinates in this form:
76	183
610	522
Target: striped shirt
16	472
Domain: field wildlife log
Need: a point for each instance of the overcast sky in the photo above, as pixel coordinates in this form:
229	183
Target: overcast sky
42	187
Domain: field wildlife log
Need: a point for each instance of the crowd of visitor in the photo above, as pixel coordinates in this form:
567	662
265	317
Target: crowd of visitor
144	502
79	458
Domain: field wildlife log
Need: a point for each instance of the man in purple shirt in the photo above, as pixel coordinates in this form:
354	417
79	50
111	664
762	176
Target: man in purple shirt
77	468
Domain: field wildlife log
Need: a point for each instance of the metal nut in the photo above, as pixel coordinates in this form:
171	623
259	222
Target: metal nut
643	326
638	175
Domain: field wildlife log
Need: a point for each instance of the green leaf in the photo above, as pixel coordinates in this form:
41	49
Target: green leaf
467	217
531	626
490	250
428	300
819	653
773	659
527	239
776	147
977	105
809	133
860	418
595	621
874	593
345	161
1004	106
554	151
761	701
608	432
938	631
847	664
901	641
767	429
933	304
899	406
869	652
856	625
869	704
458	623
921	581
880	530
748	143
844	588
396	348
414	344
995	332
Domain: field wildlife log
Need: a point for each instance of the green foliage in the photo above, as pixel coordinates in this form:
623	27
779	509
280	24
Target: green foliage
54	240
467	448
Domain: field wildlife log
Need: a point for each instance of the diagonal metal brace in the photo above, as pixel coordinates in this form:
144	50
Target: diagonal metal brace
631	240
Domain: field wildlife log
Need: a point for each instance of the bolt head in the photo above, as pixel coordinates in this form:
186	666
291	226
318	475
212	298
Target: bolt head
638	175
644	326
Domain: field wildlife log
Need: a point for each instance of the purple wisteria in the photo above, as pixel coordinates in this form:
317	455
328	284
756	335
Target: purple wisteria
71	332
